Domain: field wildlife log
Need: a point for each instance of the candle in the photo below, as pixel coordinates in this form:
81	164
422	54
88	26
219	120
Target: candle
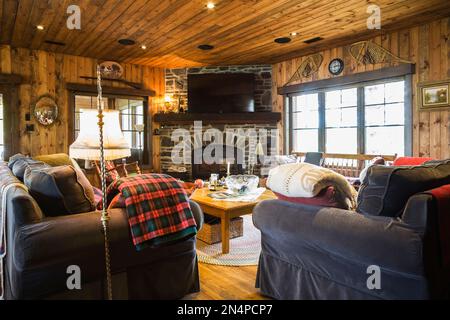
228	168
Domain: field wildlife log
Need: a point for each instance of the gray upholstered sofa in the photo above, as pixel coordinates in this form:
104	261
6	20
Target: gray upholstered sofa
311	252
40	249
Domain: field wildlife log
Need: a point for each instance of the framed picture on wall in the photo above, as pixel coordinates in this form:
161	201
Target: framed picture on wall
432	95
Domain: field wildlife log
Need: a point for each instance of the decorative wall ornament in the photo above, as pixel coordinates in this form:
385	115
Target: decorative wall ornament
309	66
111	70
367	52
46	110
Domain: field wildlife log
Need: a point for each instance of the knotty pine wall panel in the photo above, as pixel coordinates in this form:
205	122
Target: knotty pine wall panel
47	73
426	45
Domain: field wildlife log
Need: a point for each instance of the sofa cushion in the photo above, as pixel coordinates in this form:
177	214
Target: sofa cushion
385	190
20	164
325	198
60	190
57	159
304	180
14	158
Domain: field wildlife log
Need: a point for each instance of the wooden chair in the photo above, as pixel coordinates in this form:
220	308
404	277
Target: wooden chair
115	171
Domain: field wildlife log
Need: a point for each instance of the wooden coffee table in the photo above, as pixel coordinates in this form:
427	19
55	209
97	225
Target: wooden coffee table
226	210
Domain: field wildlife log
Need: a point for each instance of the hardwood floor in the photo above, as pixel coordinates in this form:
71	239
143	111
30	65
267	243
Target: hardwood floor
226	283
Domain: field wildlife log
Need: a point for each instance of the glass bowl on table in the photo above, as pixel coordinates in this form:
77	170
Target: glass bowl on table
242	183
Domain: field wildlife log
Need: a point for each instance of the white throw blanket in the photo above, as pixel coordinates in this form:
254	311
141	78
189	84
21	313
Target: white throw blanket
4	192
306	180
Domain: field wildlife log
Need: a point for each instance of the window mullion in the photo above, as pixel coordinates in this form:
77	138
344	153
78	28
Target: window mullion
289	132
361	132
322	142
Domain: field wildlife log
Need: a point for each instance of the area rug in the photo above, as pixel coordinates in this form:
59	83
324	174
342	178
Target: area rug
244	251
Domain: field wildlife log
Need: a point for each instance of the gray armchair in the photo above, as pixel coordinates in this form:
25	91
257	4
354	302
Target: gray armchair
311	252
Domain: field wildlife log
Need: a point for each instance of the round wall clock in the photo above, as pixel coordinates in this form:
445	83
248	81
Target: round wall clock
336	66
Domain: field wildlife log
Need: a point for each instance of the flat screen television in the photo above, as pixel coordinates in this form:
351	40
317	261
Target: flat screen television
221	92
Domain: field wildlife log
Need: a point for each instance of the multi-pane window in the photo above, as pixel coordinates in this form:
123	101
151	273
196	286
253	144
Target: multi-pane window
384	108
85	102
131	117
341	121
365	118
131	113
132	120
2	143
305	122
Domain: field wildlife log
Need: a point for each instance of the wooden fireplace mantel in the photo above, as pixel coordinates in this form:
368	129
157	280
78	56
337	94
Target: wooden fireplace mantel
223	118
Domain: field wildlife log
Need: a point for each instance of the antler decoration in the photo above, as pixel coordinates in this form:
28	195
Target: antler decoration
310	65
367	52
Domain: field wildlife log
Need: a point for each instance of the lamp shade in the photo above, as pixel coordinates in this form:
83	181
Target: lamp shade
87	144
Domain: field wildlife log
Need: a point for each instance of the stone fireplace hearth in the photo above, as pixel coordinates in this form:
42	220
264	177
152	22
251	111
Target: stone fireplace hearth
191	171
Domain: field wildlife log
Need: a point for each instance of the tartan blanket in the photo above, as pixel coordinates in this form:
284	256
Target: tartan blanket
157	207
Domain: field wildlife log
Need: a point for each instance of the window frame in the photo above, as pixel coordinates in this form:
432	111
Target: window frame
11	130
130	95
322	88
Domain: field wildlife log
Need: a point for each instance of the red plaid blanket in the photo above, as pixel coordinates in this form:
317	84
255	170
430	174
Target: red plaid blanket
157	207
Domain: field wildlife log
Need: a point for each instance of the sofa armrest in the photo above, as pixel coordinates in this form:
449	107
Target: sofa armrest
197	213
69	238
347	235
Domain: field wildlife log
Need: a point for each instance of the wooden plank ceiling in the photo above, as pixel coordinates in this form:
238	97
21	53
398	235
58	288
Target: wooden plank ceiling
241	31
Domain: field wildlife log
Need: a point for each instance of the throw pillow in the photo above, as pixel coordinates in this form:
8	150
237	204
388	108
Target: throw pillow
410	161
60	190
385	190
304	180
325	198
14	158
21	164
57	159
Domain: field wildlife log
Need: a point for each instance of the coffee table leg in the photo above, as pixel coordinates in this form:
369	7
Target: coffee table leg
225	224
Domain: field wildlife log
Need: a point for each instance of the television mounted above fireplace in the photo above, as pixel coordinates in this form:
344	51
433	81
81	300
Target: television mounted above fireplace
221	93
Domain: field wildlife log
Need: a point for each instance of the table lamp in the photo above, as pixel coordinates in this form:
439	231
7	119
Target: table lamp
100	138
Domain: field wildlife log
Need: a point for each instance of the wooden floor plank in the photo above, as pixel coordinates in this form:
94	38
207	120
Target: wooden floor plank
227	283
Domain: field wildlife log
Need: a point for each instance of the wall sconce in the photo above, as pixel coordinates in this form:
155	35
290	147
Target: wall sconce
171	103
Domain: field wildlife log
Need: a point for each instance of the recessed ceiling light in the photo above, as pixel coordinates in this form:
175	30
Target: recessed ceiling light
210	5
205	47
282	40
293	33
127	42
40	27
57	43
313	40
143	47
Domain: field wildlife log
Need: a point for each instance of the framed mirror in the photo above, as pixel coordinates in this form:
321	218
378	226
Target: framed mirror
46	111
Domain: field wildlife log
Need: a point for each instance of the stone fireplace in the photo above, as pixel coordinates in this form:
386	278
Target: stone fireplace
261	119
